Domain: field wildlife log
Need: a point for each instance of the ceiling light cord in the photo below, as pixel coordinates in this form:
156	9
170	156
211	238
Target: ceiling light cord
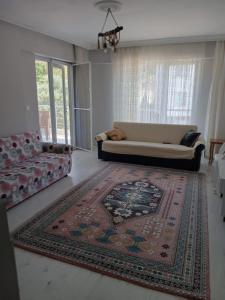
109	12
113	17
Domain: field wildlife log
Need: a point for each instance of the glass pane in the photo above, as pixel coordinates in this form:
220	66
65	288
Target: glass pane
83	132
82	95
180	93
66	69
59	105
43	98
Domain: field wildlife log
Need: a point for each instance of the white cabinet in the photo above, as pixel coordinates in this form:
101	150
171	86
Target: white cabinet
220	170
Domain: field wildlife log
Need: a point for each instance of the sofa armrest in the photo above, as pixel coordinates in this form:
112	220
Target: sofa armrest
101	137
199	146
198	143
57	148
99	144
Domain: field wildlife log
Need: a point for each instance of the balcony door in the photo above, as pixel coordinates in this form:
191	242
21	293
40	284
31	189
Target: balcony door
83	106
52	78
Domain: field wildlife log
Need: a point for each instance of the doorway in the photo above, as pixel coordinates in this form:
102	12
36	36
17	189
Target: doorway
53	96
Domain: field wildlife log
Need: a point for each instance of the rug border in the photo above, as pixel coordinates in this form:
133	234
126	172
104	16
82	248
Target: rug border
93	269
150	286
204	194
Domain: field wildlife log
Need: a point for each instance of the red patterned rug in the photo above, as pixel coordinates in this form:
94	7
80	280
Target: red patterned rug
141	224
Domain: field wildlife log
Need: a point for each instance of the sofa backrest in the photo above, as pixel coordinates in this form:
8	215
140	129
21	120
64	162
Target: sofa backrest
156	133
16	148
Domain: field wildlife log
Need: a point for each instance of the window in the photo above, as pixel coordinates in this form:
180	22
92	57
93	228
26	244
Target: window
161	84
160	92
52	79
181	80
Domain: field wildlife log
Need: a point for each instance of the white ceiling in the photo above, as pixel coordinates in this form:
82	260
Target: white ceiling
78	21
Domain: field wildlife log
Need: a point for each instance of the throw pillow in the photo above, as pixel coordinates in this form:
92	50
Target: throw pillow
190	138
116	134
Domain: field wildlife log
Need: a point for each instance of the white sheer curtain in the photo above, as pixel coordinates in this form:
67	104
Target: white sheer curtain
162	84
215	123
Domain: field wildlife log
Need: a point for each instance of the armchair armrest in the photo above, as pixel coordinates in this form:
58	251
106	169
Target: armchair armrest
57	148
101	137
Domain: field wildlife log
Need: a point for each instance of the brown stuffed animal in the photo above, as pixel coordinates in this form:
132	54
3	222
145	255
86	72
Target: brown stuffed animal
116	134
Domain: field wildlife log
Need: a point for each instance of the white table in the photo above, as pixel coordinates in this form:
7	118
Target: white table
221	180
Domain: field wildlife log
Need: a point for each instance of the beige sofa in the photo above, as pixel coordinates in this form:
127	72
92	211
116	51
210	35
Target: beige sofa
156	144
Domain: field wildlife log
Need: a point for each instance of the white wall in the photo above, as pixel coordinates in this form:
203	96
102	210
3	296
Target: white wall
18	104
101	90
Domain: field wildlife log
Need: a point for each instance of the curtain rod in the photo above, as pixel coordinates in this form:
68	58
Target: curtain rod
159	60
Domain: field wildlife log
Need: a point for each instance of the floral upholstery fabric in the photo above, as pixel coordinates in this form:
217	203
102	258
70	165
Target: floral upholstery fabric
57	148
24	172
17	148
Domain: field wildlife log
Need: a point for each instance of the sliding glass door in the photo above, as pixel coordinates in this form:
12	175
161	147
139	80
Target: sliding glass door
43	97
60	105
52	79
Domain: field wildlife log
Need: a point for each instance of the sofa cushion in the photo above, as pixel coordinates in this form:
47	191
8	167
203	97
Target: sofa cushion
28	177
149	149
17	148
116	134
190	138
155	133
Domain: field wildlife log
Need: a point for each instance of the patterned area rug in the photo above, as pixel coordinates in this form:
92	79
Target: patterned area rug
141	224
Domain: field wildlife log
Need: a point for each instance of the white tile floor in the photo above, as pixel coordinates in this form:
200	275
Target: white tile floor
41	278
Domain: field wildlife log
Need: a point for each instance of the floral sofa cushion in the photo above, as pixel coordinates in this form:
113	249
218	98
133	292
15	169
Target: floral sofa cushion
57	148
30	176
17	148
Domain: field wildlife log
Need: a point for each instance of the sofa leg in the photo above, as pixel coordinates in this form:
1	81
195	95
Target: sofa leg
66	175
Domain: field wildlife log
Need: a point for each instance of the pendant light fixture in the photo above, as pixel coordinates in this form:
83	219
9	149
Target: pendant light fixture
111	38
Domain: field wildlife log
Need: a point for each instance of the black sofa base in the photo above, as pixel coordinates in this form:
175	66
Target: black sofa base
184	164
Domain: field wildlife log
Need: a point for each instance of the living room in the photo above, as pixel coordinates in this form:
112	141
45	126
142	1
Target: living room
112	149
